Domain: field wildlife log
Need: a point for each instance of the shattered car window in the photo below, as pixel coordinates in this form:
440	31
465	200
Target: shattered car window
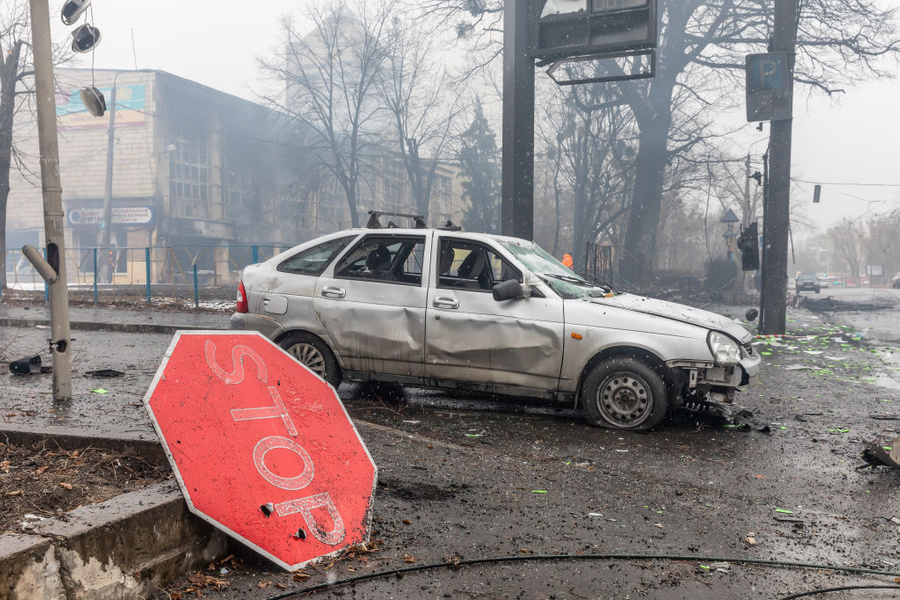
560	278
383	258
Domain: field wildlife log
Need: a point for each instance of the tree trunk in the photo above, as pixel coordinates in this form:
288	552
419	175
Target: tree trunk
9	71
643	220
653	112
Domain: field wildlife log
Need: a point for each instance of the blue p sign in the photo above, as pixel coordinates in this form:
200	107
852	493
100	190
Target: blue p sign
767	72
768	87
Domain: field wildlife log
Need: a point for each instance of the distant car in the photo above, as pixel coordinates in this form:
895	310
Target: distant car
446	308
808	282
895	282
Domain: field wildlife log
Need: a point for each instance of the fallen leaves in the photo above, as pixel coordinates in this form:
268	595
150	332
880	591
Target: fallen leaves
202	580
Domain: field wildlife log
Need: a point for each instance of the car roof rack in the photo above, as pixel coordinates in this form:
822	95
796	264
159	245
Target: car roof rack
375	223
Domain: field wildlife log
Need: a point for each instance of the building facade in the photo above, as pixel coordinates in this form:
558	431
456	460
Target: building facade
175	164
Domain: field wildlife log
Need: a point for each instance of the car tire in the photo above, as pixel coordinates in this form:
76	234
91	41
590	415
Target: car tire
314	354
624	393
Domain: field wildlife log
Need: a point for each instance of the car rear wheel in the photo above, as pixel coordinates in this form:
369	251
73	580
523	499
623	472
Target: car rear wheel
315	355
624	393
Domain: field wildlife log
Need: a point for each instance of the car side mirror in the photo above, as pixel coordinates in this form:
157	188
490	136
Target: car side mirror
509	290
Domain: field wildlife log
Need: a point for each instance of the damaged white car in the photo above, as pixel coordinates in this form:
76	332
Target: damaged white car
445	308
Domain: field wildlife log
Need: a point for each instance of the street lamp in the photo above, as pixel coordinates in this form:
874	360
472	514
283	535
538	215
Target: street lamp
106	219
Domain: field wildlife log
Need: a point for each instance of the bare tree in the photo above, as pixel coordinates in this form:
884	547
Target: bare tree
882	245
592	145
847	237
701	52
422	104
331	75
15	70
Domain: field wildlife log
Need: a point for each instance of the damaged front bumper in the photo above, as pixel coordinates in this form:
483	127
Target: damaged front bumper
717	382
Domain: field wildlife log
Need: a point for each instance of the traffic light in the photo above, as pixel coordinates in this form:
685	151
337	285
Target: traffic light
748	242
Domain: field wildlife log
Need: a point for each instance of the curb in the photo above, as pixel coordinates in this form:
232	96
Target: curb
97	326
72	439
126	547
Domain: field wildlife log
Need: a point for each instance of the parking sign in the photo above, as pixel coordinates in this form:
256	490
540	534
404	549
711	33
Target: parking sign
768	87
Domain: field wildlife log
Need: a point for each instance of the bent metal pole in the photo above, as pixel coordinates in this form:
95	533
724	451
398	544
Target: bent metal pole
60	342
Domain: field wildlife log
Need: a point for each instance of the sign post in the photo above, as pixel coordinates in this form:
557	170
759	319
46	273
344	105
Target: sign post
262	448
768	87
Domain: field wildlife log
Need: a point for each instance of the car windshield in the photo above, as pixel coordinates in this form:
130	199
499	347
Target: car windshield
562	280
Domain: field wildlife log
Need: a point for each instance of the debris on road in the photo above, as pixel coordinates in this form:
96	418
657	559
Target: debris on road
105	373
877	455
29	365
830	304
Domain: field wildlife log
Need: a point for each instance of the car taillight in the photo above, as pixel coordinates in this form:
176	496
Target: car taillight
242	306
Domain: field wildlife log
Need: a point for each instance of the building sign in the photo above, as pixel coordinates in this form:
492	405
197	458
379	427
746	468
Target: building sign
768	87
121	215
71	113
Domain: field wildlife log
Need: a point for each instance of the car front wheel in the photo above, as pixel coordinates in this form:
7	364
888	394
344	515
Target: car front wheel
624	393
315	355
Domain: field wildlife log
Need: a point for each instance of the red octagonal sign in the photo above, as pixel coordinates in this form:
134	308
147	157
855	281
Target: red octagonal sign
262	447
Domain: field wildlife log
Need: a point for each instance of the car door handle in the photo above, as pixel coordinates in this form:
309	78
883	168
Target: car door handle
333	292
444	302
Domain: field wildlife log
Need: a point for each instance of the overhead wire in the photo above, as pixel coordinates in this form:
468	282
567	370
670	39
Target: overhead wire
845	183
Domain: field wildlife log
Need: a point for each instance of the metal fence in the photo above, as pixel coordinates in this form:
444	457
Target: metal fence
198	273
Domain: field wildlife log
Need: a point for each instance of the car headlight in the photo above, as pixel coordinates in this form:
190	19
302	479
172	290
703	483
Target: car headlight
724	349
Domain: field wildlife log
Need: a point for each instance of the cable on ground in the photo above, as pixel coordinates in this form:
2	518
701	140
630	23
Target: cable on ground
557	557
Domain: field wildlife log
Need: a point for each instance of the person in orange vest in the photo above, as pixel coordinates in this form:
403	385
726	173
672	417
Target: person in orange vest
567	260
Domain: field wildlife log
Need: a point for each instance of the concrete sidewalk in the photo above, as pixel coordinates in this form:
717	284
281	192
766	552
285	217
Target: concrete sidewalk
133	544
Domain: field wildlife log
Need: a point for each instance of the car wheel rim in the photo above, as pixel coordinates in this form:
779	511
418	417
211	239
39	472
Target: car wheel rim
624	400
310	356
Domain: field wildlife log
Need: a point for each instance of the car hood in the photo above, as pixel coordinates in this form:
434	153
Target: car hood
676	312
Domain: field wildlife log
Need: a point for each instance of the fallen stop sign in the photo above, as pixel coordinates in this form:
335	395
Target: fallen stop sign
262	448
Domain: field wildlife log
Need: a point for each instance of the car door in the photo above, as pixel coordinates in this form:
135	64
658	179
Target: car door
471	337
372	304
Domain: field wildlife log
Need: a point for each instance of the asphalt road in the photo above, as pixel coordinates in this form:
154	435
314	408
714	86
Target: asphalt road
471	478
668	514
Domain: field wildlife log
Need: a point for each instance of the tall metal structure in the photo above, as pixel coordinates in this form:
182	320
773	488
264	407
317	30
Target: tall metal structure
578	33
517	207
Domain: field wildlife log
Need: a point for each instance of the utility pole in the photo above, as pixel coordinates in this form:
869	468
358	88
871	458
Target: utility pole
517	207
746	220
54	268
107	269
778	201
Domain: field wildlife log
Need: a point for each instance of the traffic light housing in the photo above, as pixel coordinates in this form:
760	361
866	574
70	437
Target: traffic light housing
748	242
